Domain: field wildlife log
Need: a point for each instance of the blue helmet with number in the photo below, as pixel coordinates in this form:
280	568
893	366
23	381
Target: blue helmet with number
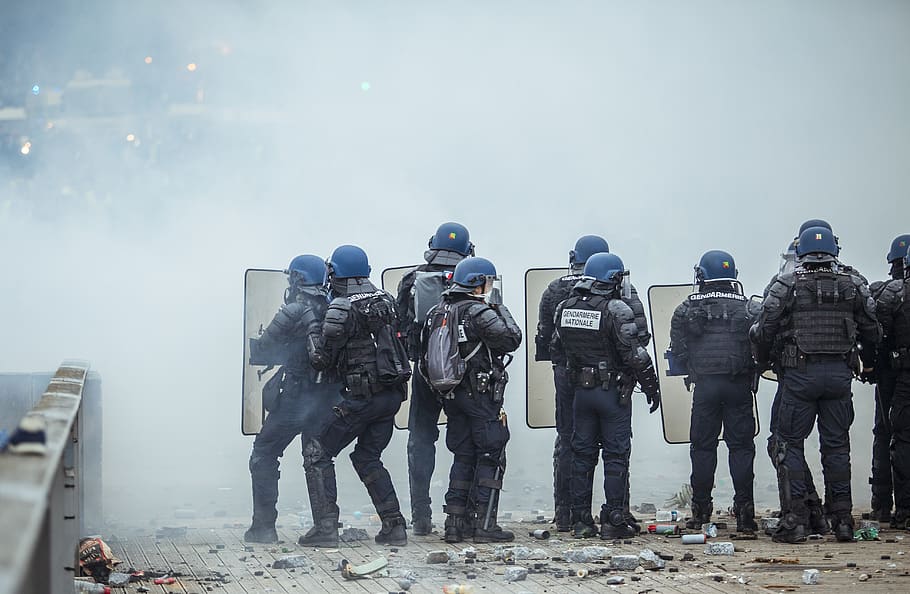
585	247
817	244
348	261
605	267
453	237
306	270
473	272
899	248
716	265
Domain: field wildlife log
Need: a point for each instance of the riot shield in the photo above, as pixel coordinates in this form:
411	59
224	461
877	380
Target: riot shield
390	279
676	400
263	294
540	390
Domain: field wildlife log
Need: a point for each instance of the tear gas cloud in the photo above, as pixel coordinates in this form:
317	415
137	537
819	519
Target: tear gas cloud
178	143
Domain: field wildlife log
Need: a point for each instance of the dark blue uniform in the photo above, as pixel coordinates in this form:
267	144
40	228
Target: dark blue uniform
304	402
818	313
356	323
605	358
709	336
556	292
477	432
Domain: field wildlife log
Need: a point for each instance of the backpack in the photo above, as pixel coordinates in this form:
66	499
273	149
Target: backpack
427	291
443	363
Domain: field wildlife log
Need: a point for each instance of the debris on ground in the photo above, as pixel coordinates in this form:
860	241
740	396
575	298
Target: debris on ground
170	532
780	560
291	561
96	558
616	580
648	559
863	577
719	548
624	562
866	534
118	579
516	574
434	557
354	572
502	553
647	508
810	577
353	535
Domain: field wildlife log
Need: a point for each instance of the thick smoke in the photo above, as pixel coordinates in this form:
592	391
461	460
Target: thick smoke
668	128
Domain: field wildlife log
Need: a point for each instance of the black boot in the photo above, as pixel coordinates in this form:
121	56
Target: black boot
583	524
324	533
745	518
613	525
393	530
455	527
701	514
818	521
265	534
421	525
793	524
563	518
492	532
881	507
901	519
842	520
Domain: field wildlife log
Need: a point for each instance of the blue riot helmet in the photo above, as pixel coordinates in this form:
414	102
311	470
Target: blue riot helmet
716	266
608	269
899	248
585	247
453	237
306	270
818	223
816	244
473	272
348	261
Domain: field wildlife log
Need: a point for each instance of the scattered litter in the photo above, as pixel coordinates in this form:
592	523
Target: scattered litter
96	558
581	573
540	534
616	580
693	539
516	574
666	516
769	525
353	535
782	560
866	534
437	557
647	508
624	562
810	577
518	553
719	548
863	577
353	572
469	553
717	578
166	581
663	529
458	589
869	524
404	584
170	532
585	555
649	560
688	557
291	561
709	530
118	579
886	557
743	580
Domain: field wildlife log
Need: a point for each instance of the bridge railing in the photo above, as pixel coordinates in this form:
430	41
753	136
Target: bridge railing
42	497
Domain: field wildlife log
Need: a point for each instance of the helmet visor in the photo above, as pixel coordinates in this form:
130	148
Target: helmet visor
492	289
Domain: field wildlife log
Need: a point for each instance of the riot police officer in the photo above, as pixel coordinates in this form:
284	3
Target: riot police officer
820	312
358	342
556	292
709	337
304	398
886	377
605	358
477	431
892	402
418	291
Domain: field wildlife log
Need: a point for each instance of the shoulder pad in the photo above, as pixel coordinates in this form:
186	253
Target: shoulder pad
295	310
891	290
621	310
339	305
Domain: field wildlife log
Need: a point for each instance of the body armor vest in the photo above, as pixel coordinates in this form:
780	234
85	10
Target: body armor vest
582	322
718	334
822	312
371	312
309	320
900	333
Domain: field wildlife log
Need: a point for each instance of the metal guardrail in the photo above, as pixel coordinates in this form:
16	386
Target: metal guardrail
42	496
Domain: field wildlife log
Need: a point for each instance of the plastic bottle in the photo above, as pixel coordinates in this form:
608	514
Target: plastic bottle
82	586
458	589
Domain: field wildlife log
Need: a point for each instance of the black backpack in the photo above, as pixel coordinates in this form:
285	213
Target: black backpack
443	364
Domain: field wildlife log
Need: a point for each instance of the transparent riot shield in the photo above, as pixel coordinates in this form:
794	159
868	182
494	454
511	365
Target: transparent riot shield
676	400
263	294
390	279
540	390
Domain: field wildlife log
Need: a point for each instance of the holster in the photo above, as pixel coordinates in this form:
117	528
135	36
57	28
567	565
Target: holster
588	377
792	358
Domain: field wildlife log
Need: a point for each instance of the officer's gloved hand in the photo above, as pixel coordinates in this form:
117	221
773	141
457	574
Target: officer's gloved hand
654	400
868	375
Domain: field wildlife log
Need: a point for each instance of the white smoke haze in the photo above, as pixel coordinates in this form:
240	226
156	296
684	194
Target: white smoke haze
668	128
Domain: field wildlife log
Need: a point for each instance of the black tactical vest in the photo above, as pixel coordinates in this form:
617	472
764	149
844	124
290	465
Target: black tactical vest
309	319
582	324
822	312
900	333
372	312
718	333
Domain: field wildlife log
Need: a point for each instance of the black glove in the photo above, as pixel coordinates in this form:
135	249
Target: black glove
653	400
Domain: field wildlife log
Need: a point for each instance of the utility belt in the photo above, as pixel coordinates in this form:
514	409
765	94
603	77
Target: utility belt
361	385
488	383
591	377
791	357
899	358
